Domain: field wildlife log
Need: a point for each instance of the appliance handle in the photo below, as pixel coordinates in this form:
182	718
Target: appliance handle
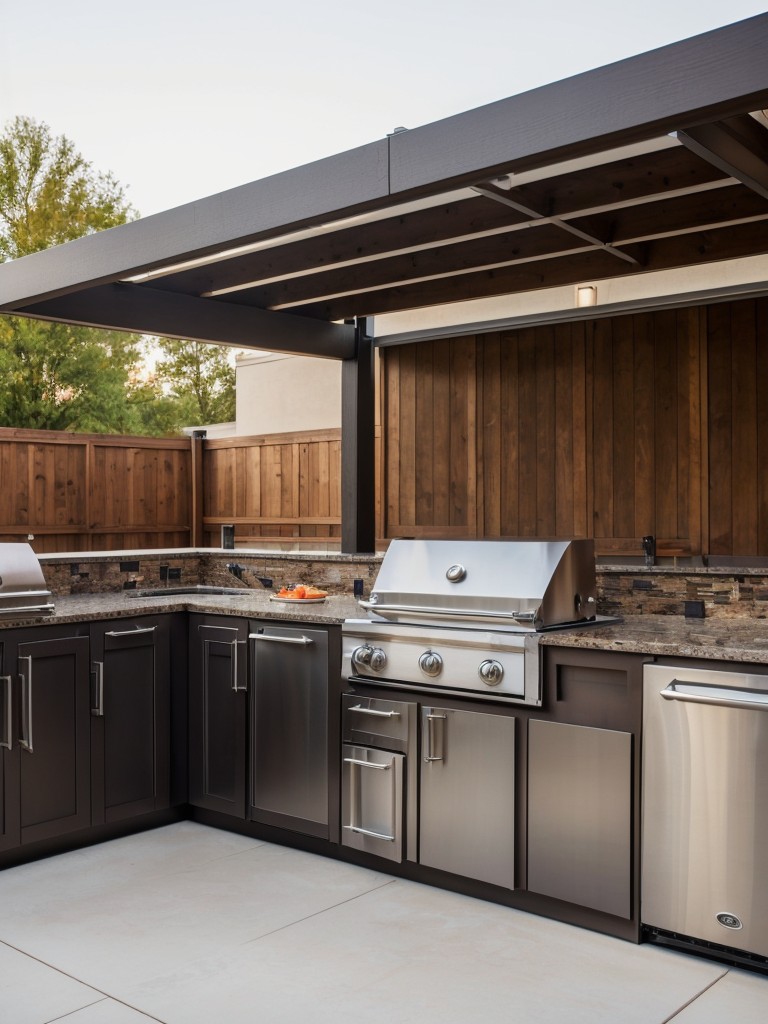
719	696
356	762
303	640
30	609
431	718
373	711
98	711
453	614
132	632
26	705
8	741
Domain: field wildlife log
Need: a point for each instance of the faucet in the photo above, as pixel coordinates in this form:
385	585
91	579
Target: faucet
649	549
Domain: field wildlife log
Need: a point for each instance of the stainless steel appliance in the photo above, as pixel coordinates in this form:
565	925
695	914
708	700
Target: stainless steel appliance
289	728
463	617
452	619
705	810
23	590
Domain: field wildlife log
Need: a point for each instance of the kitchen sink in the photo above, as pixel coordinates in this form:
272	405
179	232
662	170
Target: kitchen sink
174	591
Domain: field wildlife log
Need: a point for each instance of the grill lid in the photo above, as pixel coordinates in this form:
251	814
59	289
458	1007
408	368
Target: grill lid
521	584
23	589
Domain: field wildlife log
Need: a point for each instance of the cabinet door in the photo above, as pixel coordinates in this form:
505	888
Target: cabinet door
54	760
130	723
467	821
289	734
9	758
580	815
218	719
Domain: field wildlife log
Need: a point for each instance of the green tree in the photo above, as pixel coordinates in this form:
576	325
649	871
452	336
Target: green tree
55	376
201	378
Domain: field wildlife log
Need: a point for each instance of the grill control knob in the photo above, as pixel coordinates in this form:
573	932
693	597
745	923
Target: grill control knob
491	672
361	656
378	659
456	573
431	663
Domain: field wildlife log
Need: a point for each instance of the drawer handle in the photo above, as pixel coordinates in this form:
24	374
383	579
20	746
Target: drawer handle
369	764
372	711
367	832
132	632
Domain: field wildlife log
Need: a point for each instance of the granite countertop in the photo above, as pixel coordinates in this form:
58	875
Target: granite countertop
724	639
246	604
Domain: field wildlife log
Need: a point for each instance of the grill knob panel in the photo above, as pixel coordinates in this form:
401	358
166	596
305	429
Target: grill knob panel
361	656
431	663
378	659
491	672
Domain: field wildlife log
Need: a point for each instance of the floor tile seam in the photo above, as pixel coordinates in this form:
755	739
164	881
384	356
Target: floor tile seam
71	1013
318	913
86	984
694	997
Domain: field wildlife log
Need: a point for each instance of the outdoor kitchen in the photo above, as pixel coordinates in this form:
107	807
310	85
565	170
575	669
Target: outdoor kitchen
505	633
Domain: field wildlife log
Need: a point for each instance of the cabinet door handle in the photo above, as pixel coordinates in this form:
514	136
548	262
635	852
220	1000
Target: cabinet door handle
235	687
303	640
8	741
98	711
26	706
131	632
356	763
373	711
431	719
724	696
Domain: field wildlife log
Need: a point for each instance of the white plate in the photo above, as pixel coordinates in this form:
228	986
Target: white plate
297	600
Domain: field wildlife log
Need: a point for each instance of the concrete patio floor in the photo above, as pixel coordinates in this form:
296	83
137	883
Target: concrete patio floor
191	925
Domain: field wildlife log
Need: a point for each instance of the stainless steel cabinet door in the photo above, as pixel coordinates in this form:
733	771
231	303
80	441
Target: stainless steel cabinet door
467	823
580	815
372	801
289	694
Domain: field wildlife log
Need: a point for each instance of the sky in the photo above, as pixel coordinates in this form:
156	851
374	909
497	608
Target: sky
180	100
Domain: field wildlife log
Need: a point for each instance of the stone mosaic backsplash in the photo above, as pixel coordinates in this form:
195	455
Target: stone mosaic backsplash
622	591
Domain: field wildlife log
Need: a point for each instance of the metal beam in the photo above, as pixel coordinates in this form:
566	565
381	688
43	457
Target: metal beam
146	310
705	78
358	449
738	146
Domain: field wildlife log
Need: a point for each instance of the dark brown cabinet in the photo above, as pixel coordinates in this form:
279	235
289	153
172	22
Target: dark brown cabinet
130	718
45	736
218	714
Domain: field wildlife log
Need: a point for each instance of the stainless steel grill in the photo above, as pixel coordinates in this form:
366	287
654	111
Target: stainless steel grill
23	590
465	617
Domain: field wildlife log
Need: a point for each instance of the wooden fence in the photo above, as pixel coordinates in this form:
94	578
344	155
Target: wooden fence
91	492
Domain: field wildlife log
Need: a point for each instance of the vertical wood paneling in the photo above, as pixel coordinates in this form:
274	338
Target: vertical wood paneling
761	379
719	401
603	429
509	445
744	429
643	460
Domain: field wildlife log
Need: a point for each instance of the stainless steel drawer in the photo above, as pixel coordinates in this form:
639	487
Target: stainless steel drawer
372	801
371	721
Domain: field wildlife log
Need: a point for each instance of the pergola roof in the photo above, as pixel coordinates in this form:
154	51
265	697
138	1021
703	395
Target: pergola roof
651	163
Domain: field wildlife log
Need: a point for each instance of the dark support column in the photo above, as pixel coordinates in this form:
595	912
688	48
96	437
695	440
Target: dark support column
196	497
358	498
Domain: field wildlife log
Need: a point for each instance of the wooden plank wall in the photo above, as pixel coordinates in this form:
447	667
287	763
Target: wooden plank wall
737	427
653	423
90	492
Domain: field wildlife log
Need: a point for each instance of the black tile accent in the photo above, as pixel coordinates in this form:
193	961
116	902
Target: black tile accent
129	566
174	573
